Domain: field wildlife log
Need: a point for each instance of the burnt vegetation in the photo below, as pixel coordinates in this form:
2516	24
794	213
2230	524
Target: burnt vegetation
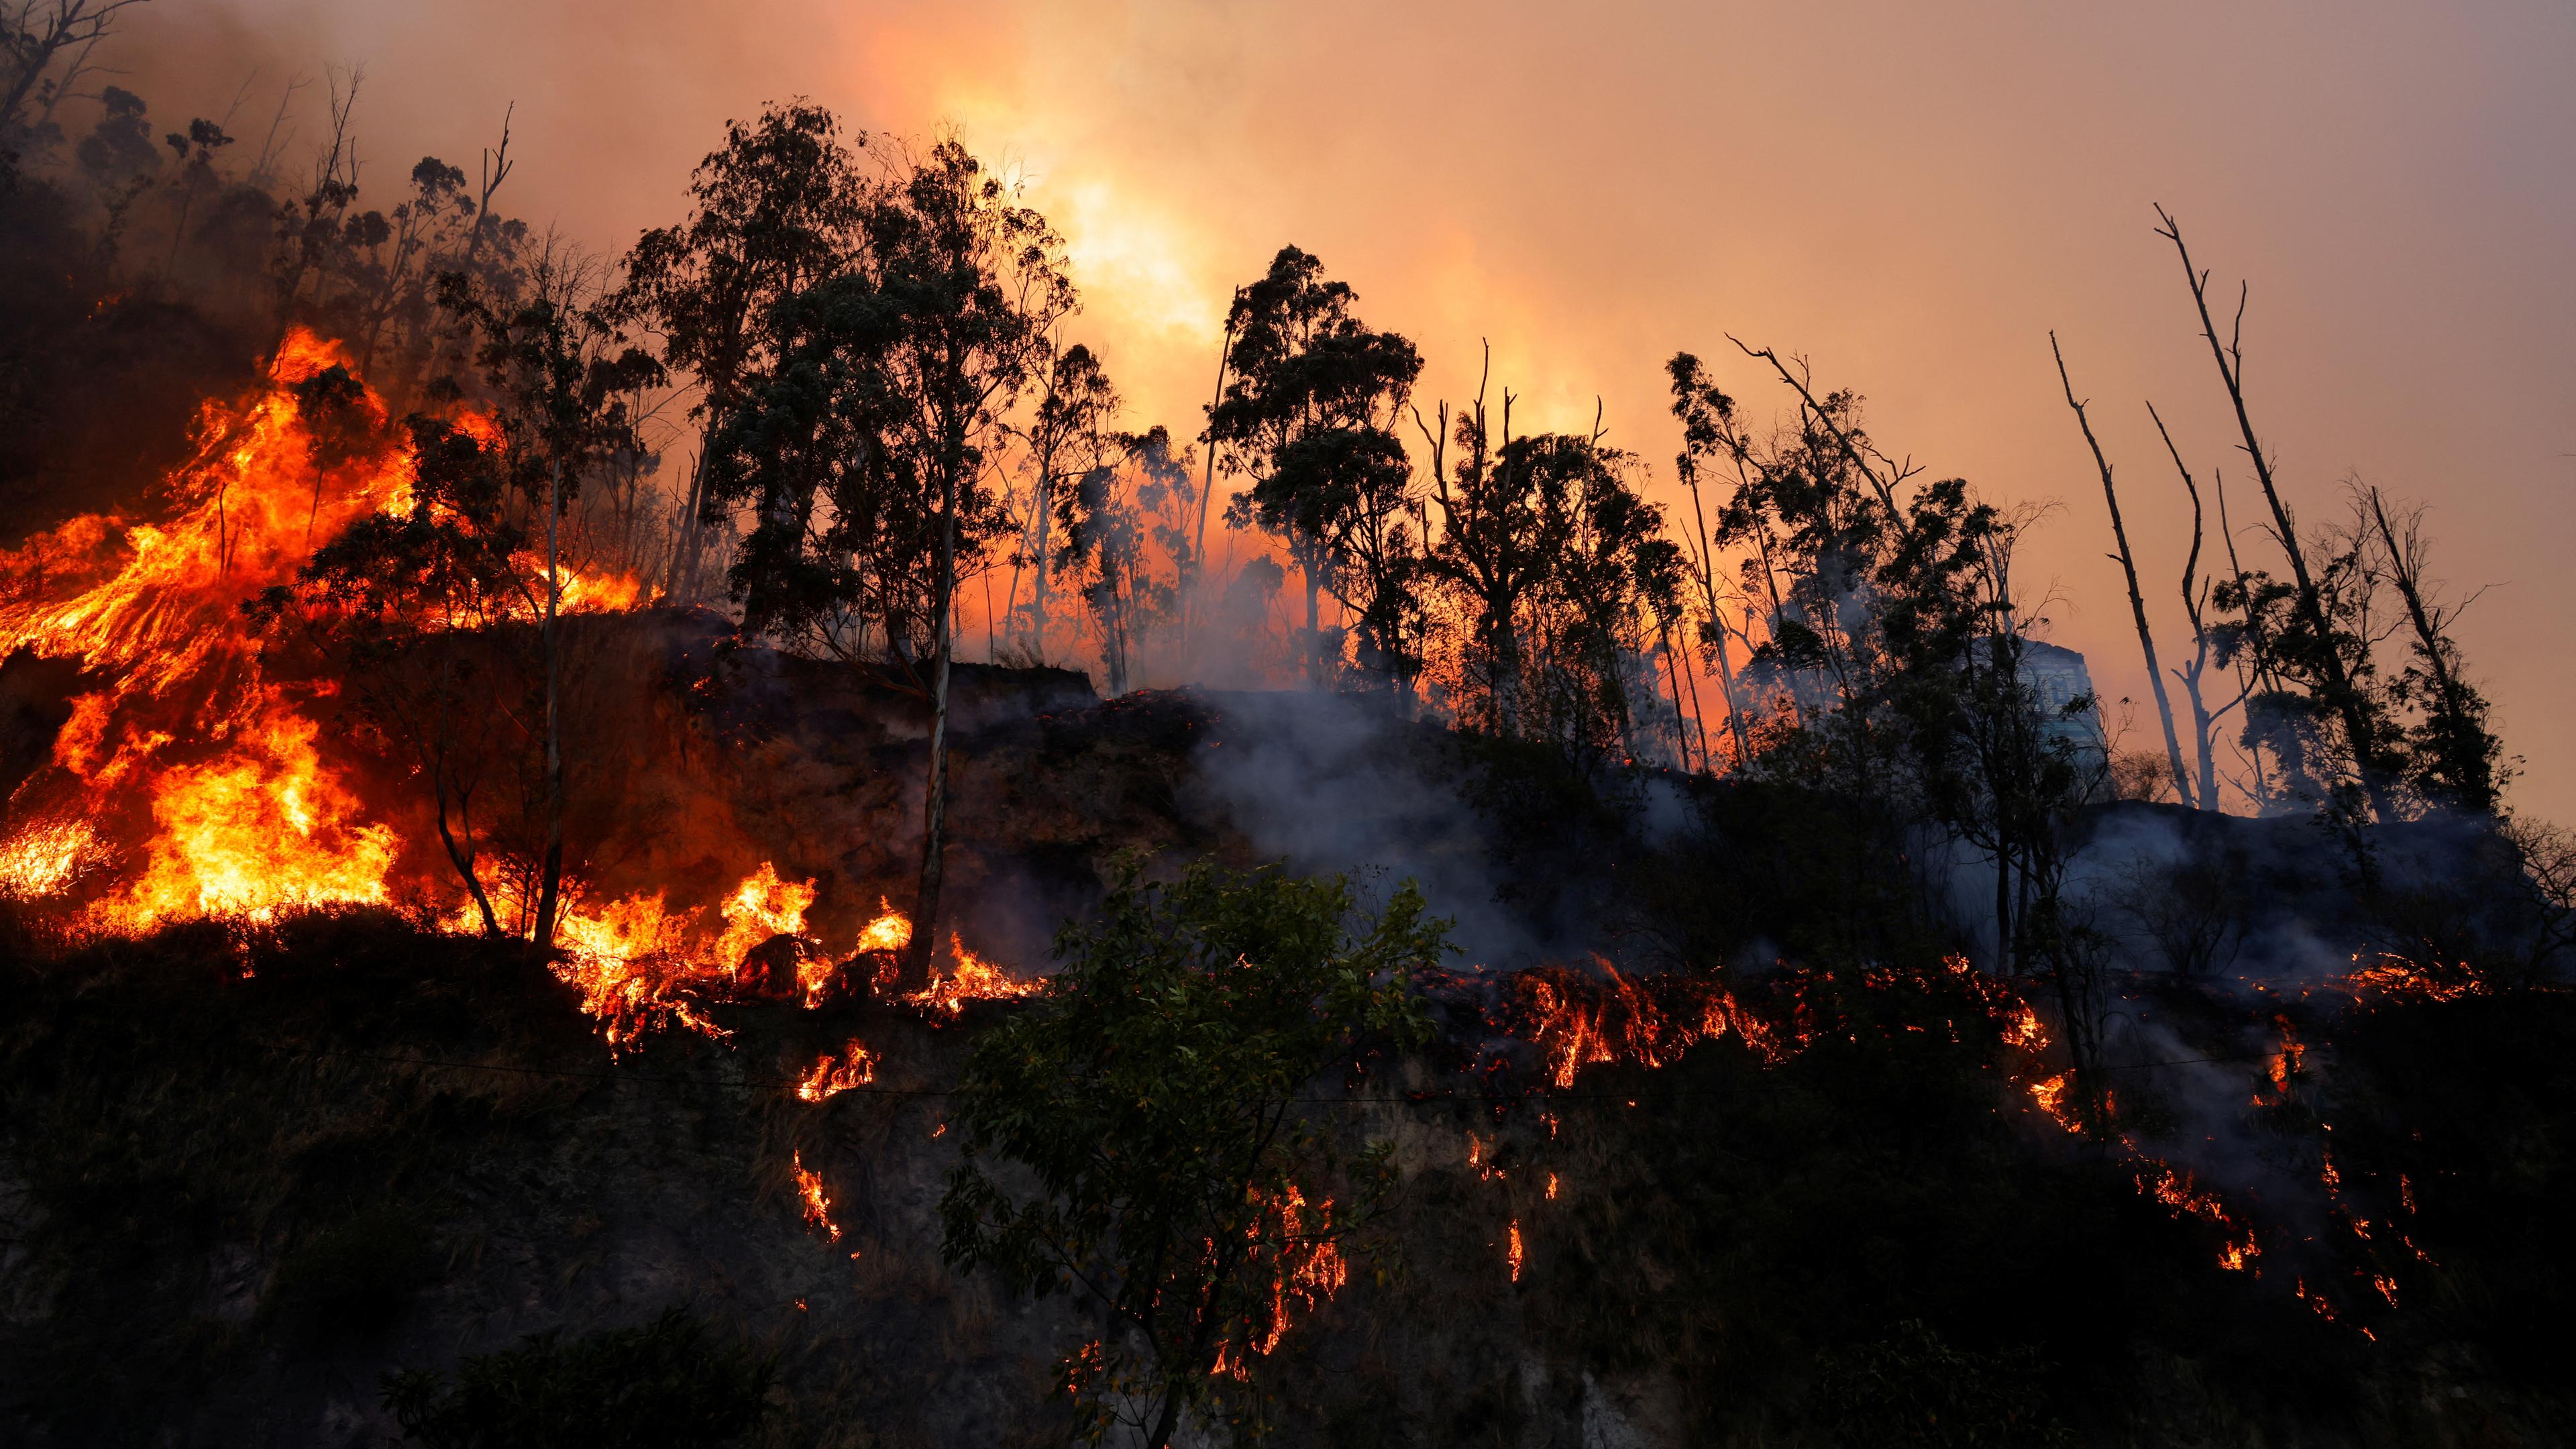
700	845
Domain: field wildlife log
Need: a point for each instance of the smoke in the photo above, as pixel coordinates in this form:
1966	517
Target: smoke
1344	782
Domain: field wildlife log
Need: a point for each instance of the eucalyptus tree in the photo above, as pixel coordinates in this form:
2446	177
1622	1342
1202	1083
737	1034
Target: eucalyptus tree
775	210
1309	416
558	373
1068	438
870	449
1118	516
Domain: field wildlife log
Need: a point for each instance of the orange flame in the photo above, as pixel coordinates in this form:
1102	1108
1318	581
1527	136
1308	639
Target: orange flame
1294	1244
818	1202
856	1066
970	978
241	815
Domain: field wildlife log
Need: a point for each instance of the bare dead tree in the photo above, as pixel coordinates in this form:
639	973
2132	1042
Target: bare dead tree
1897	472
2195	603
2342	693
496	169
34	34
2129	568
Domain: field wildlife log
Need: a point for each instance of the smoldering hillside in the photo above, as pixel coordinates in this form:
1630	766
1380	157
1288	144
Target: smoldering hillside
249	1172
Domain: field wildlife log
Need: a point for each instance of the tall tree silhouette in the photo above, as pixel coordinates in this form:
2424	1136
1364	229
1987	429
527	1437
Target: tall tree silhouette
871	449
774	211
1309	416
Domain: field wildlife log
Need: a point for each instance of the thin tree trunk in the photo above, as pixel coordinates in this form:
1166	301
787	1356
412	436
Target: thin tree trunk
2129	567
550	885
2203	723
1193	612
462	857
1673	671
934	818
680	586
1038	598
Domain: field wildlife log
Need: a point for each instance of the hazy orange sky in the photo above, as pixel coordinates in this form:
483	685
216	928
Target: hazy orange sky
1911	195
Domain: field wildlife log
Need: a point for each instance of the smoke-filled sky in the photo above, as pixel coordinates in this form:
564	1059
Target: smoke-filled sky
1913	196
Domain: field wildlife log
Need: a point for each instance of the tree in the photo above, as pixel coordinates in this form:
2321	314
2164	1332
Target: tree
774	212
1498	539
1153	1096
2129	569
393	601
34	34
2306	643
2196	603
555	364
1309	417
2452	756
1707	417
1067	438
872	446
1115	516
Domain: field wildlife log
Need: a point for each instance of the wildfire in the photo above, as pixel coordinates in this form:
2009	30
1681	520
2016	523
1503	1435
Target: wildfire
1512	1249
818	1202
184	765
2396	976
264	827
44	857
970	978
1576	1023
2050	1094
832	1075
1293	1244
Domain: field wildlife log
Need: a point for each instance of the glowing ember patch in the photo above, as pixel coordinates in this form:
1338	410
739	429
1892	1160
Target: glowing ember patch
1576	1024
970	978
2396	977
2050	1094
1513	1250
855	1066
818	1203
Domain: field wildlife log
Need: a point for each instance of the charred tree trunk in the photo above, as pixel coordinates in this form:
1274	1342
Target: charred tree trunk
550	882
1193	609
680	584
2129	568
934	815
461	855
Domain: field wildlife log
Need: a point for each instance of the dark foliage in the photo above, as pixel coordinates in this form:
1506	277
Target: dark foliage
667	1385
